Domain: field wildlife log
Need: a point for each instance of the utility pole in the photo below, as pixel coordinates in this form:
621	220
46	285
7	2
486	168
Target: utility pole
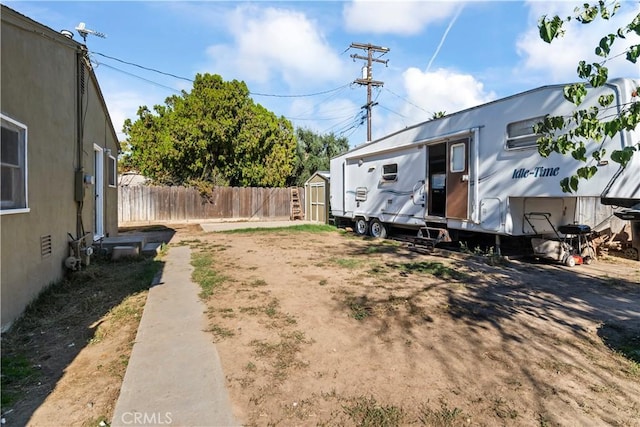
367	79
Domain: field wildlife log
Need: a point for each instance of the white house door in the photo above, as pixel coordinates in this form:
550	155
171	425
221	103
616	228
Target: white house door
98	193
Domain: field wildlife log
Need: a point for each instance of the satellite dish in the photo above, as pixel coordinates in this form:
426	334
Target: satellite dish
84	31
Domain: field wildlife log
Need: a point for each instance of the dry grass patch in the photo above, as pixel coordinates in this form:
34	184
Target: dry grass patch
336	330
72	345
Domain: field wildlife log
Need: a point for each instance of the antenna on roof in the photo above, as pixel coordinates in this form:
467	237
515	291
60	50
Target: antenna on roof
84	31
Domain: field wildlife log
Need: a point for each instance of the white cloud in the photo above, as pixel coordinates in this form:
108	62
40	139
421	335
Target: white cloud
273	43
427	92
442	90
395	17
557	62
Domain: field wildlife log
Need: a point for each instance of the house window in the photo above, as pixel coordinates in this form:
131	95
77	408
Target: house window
13	161
457	158
520	134
112	170
390	172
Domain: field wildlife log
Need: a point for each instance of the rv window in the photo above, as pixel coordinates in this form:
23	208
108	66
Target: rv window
361	194
457	158
520	134
390	172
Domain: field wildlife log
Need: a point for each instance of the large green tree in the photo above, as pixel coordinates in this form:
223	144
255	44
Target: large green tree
581	135
313	154
213	135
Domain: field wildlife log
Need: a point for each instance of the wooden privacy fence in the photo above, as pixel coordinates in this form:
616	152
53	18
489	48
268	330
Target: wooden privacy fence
157	204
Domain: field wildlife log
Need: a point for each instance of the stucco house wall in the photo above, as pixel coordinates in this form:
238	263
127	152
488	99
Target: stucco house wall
39	92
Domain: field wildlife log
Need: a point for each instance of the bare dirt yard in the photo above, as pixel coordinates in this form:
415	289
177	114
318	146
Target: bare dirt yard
319	327
328	328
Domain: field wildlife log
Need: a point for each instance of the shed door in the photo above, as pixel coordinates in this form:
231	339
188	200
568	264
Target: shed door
316	199
457	179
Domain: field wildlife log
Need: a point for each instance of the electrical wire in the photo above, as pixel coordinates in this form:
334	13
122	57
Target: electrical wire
191	80
301	95
349	125
408	102
136	76
142	67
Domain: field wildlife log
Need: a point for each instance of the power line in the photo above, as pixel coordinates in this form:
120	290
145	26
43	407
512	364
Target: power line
408	102
349	124
143	67
303	95
191	80
136	76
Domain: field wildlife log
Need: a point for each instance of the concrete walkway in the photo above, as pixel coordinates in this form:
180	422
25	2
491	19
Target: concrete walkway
174	376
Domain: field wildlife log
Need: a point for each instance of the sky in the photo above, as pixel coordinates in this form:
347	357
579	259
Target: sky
296	59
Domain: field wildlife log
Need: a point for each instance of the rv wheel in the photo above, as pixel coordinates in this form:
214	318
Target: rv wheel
378	230
361	226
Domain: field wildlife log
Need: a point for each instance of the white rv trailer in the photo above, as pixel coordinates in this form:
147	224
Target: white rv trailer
479	170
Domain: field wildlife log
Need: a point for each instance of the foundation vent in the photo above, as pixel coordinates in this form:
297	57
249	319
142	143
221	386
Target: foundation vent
45	246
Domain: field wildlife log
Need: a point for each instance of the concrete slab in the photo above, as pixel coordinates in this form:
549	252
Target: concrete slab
137	241
124	251
174	376
151	248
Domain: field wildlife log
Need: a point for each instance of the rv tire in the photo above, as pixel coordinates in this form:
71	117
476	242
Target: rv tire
378	229
361	226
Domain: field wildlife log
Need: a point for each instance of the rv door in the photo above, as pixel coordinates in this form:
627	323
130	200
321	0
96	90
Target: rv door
457	182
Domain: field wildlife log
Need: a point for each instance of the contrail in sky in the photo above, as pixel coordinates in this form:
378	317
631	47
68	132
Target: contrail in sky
444	36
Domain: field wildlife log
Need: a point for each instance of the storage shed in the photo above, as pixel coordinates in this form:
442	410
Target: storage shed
316	190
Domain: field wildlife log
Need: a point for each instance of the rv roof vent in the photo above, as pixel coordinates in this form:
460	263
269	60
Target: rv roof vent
67	33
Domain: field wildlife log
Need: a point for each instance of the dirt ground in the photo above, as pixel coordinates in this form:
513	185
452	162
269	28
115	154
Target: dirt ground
333	329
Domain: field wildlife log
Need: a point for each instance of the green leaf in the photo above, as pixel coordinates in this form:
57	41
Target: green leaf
550	29
605	12
588	14
600	77
573	183
606	100
634	25
584	69
632	53
599	154
623	156
575	93
611	128
580	153
586	172
604	47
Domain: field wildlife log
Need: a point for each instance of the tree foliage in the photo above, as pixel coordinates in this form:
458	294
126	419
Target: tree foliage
313	154
582	134
213	135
